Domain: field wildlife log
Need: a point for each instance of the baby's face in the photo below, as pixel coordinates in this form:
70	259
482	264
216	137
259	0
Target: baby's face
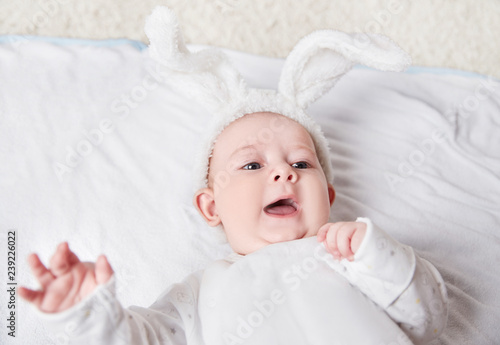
268	185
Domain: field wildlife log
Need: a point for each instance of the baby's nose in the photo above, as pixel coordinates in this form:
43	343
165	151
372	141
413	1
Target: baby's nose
285	174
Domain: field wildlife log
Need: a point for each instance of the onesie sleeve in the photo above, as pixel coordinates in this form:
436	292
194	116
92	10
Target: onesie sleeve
407	287
100	318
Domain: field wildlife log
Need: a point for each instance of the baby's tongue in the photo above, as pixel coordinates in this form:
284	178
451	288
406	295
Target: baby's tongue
281	210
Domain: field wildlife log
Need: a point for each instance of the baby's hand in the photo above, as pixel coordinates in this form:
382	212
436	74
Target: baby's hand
342	239
66	282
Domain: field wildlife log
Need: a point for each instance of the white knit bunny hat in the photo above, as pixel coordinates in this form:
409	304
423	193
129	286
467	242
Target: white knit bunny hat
312	68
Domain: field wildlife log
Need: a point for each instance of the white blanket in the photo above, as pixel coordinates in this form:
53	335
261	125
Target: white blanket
96	151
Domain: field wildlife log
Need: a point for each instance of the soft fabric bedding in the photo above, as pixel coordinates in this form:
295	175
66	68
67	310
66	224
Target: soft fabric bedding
96	150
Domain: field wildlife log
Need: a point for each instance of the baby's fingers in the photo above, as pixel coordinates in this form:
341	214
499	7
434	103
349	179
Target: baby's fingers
321	236
63	260
32	296
103	270
344	241
331	240
41	273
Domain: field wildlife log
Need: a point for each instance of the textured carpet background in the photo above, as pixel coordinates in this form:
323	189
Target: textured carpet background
459	34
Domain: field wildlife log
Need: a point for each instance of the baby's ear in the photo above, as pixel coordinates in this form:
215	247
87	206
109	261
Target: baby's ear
331	193
205	204
318	61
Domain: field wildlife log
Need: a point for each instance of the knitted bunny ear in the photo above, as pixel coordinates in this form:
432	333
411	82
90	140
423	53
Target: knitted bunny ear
318	61
206	75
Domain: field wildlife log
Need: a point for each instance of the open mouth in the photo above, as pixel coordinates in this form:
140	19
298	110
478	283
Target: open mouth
282	207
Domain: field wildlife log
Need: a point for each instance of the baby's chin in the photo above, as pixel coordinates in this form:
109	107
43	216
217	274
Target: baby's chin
278	235
268	237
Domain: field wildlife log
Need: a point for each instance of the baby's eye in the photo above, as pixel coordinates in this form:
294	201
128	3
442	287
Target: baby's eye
301	165
252	166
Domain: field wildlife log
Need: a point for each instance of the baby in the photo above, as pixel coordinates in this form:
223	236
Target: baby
277	193
265	177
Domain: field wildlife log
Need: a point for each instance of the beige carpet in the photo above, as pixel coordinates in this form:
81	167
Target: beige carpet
459	34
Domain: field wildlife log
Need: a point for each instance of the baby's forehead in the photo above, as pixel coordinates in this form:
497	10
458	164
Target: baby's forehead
260	130
267	119
265	124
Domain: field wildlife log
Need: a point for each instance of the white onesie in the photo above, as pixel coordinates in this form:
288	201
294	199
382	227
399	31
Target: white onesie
286	293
